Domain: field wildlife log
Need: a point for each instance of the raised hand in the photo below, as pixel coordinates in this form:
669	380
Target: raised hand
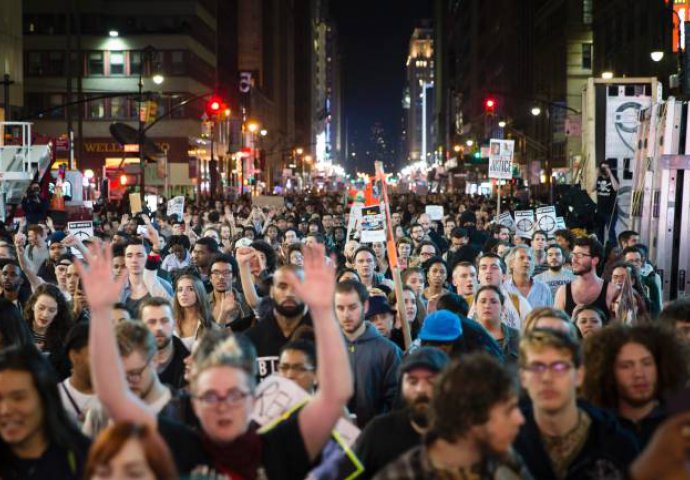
70	241
244	255
19	240
101	289
318	288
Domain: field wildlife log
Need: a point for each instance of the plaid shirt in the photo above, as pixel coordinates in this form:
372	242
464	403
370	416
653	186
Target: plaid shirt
415	464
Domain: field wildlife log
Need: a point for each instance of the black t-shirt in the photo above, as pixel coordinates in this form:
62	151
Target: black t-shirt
173	374
383	440
606	195
56	462
268	339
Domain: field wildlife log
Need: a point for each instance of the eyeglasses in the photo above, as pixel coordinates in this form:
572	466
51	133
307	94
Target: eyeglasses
135	375
233	398
579	255
557	368
298	368
224	273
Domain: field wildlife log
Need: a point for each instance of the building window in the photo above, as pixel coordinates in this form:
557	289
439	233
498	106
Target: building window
587	12
35	63
587	56
134	63
178	65
95	109
118	108
117	63
56	63
56	100
95	63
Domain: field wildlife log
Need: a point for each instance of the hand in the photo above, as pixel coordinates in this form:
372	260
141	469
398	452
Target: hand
125	219
227	302
318	288
244	255
19	240
70	241
667	453
146	219
101	289
153	236
50	224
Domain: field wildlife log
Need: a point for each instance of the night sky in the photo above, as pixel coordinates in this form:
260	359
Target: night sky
374	40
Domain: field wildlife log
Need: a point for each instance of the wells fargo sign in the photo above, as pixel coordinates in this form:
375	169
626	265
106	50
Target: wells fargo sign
114	147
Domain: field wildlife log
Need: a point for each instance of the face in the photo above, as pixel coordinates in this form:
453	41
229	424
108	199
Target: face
119	267
490	272
21	409
417	391
33	238
582	260
365	264
488	306
465	280
72	280
135	258
425	222
61	272
634	258
448	227
120	315
5	252
129	463
458	241
291	237
437	275
636	375
632	241
295	365
296	258
497	434
139	372
522	262
553	389
426	252
416	282
504	234
221	277
538	241
618	276
683	329
11	278
383	323
410	302
588	322
55	250
225	232
45	311
159	320
212	234
404	250
285	299
395	218
379	249
350	311
350	248
200	256
554	258
417	233
186	295
339	234
563	242
222	402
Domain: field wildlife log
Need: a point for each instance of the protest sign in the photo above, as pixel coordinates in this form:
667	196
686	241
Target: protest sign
524	223
546	219
373	225
176	207
501	158
269	201
506	219
135	203
560	223
81	230
354	221
435	212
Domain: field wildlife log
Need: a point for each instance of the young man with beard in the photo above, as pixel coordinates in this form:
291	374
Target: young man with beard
229	307
375	359
203	252
275	327
631	370
12	285
587	288
563	438
390	435
556	275
474	420
156	313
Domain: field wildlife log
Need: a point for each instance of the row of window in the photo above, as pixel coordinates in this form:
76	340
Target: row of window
108	63
115	108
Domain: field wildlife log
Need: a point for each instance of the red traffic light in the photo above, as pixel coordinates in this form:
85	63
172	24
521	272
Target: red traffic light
490	105
214	105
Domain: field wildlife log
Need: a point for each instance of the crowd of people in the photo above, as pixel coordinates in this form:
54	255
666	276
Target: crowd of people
476	353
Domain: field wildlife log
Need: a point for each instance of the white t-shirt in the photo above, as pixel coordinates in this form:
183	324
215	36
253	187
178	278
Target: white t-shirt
76	403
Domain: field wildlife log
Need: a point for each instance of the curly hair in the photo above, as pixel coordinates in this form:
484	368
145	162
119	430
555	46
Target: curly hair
58	328
602	347
467	391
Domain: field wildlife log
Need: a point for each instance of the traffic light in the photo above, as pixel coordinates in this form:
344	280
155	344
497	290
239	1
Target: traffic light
214	106
490	105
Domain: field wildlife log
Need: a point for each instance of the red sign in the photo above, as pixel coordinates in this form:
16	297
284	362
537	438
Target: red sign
682	8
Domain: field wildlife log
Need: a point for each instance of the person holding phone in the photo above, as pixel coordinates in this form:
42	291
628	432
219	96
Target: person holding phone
607	215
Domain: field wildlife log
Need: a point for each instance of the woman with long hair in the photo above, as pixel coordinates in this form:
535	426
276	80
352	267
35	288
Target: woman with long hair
382	266
37	437
128	450
49	317
222	387
191	308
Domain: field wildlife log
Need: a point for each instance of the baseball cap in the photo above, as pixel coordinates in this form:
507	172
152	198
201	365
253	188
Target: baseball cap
441	326
429	358
378	304
56	237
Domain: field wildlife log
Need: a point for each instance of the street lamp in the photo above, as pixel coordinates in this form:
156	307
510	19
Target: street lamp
263	132
657	55
113	34
158	79
469	142
502	124
299	151
607	75
252	127
457	148
147	55
536	111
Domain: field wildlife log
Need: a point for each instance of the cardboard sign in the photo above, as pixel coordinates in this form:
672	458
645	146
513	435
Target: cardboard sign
560	223
524	223
506	219
269	201
435	212
501	158
546	219
135	203
176	207
373	225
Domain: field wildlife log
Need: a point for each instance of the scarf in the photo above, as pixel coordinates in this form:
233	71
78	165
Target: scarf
239	459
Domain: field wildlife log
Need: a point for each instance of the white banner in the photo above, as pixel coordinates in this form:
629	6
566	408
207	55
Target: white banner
176	207
435	212
501	158
373	225
546	219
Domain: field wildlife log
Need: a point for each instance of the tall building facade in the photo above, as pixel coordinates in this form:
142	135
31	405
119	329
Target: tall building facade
11	54
418	97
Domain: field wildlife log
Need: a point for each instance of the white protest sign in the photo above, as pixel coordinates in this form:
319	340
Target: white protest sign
501	158
506	219
560	223
354	220
524	223
81	230
435	212
373	225
546	219
176	207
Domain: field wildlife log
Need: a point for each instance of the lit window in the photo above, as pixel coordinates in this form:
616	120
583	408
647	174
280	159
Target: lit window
95	63
117	63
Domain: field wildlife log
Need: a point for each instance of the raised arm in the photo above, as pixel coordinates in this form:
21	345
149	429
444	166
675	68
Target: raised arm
27	267
243	255
319	416
107	371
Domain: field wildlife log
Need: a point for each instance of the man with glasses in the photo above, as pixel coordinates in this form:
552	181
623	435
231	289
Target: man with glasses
561	437
230	310
587	288
298	363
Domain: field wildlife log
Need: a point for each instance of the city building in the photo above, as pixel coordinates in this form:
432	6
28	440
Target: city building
418	97
11	55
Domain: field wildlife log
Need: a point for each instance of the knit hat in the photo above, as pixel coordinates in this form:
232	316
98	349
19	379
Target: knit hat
56	237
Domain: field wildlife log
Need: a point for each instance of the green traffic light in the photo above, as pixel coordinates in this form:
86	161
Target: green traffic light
477	155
